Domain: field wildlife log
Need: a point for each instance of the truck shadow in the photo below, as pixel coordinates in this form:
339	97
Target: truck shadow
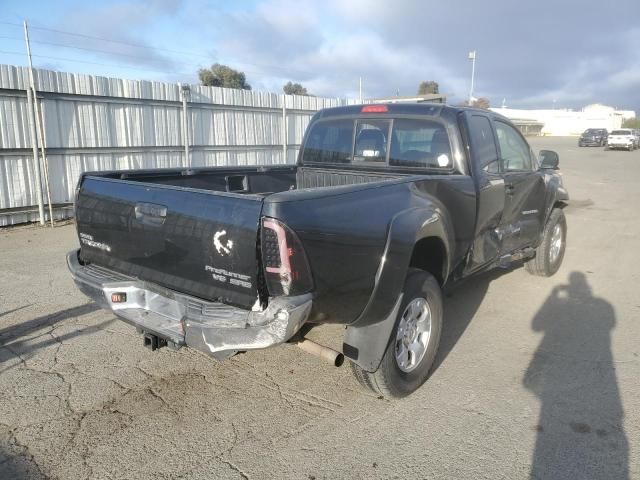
461	302
15	463
23	340
580	430
24	328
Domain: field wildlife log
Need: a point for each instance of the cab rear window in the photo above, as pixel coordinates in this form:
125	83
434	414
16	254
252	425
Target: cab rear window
403	142
419	143
330	142
371	142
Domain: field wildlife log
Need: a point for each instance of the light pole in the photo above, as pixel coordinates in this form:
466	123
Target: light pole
472	57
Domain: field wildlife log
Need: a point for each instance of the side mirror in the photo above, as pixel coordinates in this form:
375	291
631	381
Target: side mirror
548	160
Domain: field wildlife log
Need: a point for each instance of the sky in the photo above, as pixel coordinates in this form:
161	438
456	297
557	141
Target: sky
530	54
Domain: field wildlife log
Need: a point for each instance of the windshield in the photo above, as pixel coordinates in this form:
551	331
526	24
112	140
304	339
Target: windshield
405	142
621	132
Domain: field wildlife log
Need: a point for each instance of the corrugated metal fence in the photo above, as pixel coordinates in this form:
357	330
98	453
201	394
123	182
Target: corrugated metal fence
99	123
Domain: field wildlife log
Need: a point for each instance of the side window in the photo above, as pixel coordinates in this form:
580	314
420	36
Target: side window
483	143
534	160
515	153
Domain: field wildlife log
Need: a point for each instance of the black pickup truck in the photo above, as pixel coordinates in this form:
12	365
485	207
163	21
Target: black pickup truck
386	205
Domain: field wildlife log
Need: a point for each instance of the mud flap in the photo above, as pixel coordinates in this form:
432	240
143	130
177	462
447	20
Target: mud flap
365	345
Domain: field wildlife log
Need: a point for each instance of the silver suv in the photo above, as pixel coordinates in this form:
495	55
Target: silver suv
623	138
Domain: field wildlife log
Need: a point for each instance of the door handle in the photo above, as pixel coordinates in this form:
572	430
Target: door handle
509	188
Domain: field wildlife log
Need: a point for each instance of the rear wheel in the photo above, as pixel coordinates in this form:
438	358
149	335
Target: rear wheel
414	340
550	252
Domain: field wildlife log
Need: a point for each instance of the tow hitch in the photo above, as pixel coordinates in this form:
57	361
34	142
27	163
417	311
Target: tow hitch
153	342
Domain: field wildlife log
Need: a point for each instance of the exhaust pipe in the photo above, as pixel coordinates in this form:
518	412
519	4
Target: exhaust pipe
329	354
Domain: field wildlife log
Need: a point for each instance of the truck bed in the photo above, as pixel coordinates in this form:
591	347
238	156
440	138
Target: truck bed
192	231
252	180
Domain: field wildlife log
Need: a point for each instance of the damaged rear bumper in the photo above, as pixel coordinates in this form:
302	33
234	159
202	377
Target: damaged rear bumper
211	327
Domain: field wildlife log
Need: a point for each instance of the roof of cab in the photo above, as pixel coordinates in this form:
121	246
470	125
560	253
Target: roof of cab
418	108
432	109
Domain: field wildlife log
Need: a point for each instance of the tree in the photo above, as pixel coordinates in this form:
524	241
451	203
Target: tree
223	76
295	89
427	87
631	123
480	103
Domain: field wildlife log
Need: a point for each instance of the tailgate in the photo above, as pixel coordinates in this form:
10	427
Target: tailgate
197	242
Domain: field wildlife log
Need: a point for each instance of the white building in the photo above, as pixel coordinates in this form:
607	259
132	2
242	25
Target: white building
568	122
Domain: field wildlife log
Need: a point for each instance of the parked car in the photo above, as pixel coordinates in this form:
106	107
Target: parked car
593	137
623	138
387	204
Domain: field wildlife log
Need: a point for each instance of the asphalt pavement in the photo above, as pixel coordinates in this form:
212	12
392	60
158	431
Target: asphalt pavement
535	378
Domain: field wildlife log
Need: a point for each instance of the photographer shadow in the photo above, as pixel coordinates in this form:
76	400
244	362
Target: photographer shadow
580	430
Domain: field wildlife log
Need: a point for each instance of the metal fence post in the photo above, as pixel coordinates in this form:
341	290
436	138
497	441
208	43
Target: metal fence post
36	157
43	148
185	91
284	128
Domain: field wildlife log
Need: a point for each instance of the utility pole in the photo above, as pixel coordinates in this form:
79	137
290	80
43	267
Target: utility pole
360	89
472	57
33	106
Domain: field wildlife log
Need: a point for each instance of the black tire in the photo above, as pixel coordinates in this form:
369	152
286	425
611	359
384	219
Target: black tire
390	380
542	264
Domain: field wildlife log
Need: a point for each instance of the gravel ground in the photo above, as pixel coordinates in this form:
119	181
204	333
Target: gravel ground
536	377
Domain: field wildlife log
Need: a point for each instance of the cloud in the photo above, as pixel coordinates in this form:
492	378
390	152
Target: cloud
266	39
275	42
384	69
529	52
532	53
121	22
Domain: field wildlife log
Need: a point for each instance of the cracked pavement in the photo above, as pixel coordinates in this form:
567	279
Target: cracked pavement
535	377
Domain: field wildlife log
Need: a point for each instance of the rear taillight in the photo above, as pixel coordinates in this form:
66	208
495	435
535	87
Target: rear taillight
286	269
